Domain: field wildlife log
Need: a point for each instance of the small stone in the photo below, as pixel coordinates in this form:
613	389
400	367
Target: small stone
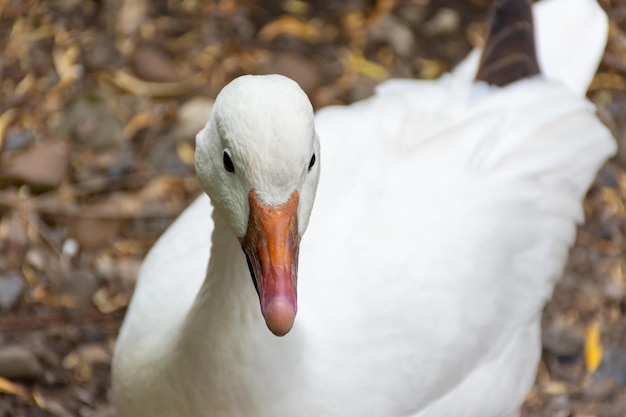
105	267
363	89
614	291
44	165
444	22
13	240
94	233
17	363
79	285
83	361
192	116
613	366
131	15
85	411
398	36
104	411
93	353
152	63
90	123
85	396
562	344
12	287
103	54
17	139
297	67
163	156
70	248
56	409
36	258
128	271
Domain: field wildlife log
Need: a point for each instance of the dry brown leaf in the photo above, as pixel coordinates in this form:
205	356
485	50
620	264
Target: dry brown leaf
431	68
6	119
128	247
11	388
29	274
354	26
65	63
475	34
159	188
381	9
186	153
555	388
27	84
107	303
39	399
126	81
608	81
138	122
361	65
296	6
612	201
71	360
59	301
291	26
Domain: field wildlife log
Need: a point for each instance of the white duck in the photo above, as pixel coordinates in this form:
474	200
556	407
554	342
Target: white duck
443	218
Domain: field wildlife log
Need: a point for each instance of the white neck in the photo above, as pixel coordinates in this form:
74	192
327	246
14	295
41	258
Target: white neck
227	306
224	338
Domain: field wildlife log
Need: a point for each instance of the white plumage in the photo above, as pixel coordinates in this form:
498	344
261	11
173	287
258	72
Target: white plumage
443	217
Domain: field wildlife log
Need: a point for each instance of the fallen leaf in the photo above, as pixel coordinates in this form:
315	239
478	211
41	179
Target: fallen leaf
107	303
431	68
555	388
296	6
27	84
358	63
66	66
126	81
8	387
39	399
6	119
186	153
310	31
608	81
138	122
593	347
381	9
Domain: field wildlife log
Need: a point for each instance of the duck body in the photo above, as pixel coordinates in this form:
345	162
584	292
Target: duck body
443	218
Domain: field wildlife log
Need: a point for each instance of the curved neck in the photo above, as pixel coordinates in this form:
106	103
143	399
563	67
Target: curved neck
222	347
227	305
224	344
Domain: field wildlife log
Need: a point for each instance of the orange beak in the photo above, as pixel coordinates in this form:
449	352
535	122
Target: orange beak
271	246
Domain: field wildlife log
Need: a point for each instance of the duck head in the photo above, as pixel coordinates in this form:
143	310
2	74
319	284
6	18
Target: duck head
258	160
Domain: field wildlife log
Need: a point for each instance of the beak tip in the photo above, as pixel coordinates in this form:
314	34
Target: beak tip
279	314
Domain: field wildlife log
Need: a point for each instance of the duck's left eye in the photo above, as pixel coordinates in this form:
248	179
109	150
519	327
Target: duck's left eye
228	163
312	162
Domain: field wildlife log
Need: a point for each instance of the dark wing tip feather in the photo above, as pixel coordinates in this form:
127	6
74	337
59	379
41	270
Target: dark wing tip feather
509	54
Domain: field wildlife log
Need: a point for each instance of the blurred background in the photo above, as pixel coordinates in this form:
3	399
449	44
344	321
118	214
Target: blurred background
99	105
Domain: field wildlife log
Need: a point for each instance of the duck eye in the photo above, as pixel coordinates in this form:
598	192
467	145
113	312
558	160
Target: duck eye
228	163
312	162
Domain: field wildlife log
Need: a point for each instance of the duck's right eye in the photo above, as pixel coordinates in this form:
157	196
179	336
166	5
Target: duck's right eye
228	163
